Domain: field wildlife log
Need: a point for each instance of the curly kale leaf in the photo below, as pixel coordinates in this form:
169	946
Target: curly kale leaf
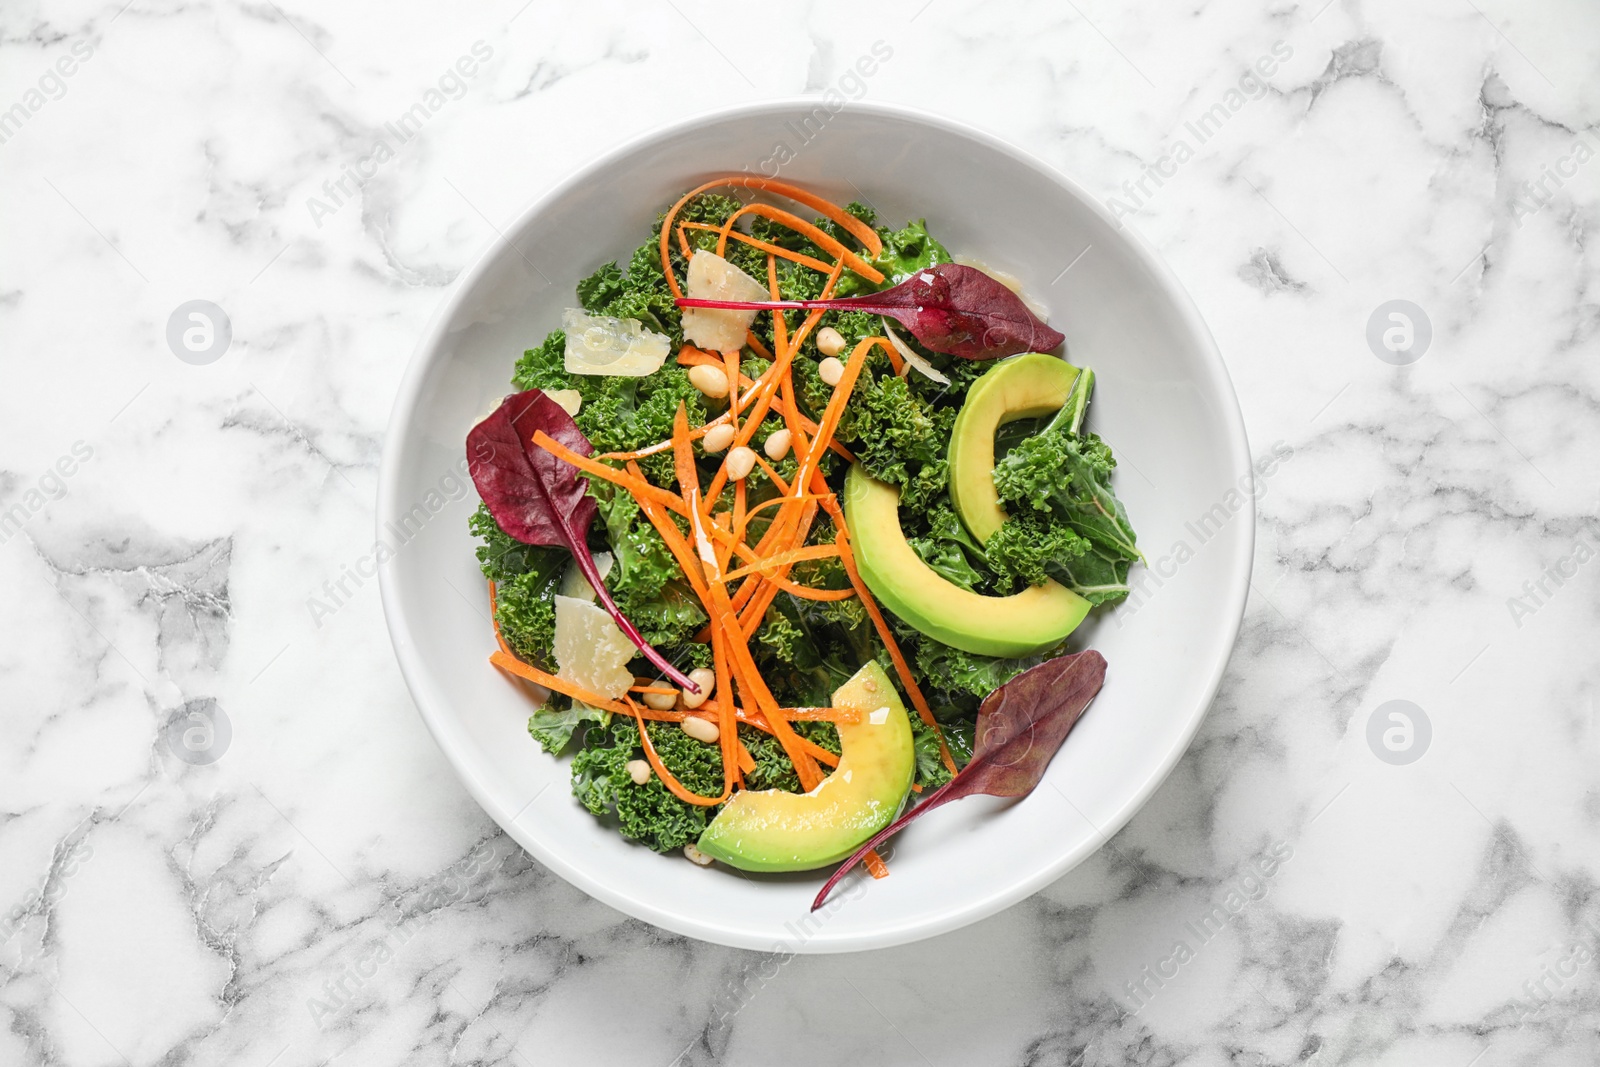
946	546
502	557
931	771
525	608
807	653
553	727
963	678
900	438
1061	473
773	768
645	580
905	251
618	414
647	813
526	578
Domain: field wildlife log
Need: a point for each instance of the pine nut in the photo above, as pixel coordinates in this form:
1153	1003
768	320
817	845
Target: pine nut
706	679
639	771
741	461
701	729
777	445
831	371
830	342
718	437
661	701
712	381
696	857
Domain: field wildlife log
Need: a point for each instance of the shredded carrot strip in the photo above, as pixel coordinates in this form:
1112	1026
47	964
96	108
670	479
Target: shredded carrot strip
756	242
667	779
747	762
649	686
875	865
771	472
507	662
754	343
635	485
811	748
794	555
869	238
825	241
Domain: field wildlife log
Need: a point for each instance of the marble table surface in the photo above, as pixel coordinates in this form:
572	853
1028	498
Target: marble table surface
225	836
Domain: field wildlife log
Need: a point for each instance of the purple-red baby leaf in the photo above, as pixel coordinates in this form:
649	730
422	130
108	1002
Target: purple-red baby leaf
1021	726
949	308
540	499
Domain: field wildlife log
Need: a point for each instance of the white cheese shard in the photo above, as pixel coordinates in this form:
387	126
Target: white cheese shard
574	584
622	348
571	400
591	650
713	278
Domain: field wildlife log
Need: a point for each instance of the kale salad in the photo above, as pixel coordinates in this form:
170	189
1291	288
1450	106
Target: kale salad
786	529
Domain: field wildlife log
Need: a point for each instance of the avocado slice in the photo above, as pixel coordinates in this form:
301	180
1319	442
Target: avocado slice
1018	625
771	830
1022	387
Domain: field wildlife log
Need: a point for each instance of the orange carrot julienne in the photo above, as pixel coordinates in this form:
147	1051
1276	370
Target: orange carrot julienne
667	778
637	486
513	665
765	246
870	241
828	243
794	555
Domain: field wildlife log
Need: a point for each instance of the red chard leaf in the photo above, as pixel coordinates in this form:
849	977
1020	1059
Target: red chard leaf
540	499
949	308
1021	726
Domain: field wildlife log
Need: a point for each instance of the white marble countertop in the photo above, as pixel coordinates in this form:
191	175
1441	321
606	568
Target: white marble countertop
165	525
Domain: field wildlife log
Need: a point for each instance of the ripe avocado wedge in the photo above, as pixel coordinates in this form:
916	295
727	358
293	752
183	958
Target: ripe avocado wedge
1018	625
770	830
1022	387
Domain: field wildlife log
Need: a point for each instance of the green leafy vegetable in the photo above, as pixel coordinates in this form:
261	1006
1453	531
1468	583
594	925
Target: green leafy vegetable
646	813
553	726
905	251
1061	473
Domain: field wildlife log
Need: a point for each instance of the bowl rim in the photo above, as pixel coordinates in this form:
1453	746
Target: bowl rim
641	906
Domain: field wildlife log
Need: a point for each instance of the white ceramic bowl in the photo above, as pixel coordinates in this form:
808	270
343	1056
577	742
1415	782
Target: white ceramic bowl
1162	399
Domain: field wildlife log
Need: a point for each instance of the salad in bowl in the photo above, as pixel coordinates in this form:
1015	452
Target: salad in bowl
787	528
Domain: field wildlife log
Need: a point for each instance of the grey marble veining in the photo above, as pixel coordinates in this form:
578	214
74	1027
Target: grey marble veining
225	836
